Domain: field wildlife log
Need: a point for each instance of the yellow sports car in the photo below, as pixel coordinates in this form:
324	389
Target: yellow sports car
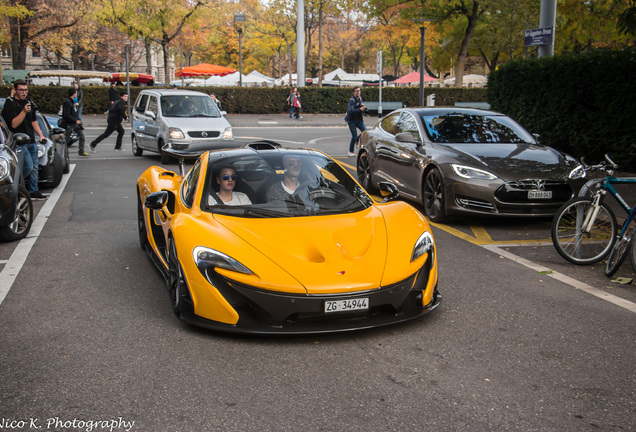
265	239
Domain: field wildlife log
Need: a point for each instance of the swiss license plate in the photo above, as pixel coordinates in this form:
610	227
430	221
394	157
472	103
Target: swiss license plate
539	194
347	305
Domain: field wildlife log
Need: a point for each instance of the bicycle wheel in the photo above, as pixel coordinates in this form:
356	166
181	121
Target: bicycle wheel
579	246
620	250
633	254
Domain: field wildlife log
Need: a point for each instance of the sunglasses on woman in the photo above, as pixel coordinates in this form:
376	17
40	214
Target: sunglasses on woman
226	177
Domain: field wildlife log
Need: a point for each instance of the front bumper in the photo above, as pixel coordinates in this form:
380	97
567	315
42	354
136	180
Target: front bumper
267	312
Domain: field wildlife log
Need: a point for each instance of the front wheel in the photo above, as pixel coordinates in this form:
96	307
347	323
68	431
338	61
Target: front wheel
578	245
22	220
364	172
137	151
176	281
433	191
620	250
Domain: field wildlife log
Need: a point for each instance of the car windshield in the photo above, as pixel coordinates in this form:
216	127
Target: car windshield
283	184
470	128
189	106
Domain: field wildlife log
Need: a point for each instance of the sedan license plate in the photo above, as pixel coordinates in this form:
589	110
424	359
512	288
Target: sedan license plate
539	194
347	305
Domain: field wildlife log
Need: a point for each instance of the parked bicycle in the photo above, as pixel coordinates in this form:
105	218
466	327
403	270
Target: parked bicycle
584	229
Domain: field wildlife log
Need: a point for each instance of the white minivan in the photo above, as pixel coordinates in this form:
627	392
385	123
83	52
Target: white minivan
184	120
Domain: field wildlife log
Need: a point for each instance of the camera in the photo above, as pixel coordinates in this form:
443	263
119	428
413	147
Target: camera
34	106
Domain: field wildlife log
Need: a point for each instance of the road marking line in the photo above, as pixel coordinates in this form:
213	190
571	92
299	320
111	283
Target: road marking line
618	301
21	252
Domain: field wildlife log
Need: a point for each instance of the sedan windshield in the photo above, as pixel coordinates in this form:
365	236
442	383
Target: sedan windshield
470	128
189	106
281	184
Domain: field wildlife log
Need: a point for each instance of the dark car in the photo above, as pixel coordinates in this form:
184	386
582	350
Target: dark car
470	161
53	155
16	208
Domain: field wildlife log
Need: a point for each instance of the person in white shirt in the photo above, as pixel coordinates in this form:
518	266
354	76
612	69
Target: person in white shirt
227	180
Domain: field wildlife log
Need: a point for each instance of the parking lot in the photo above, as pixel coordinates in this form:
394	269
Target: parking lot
522	341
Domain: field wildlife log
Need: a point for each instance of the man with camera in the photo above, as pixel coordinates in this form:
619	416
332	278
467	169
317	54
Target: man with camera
19	114
355	110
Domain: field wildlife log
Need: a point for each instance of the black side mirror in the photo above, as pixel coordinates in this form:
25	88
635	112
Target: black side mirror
389	191
156	200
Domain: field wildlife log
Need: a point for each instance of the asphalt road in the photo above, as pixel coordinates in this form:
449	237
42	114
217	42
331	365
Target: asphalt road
522	341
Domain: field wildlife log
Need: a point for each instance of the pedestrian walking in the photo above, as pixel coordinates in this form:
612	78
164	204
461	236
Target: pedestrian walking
113	94
297	106
354	118
117	113
19	115
290	101
79	100
216	101
71	121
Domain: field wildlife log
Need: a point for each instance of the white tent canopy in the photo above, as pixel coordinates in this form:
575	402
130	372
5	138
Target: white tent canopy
473	80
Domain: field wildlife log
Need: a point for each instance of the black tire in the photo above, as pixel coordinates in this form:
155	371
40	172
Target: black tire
141	224
176	281
620	250
165	159
433	196
22	221
58	170
633	254
576	246
365	176
137	151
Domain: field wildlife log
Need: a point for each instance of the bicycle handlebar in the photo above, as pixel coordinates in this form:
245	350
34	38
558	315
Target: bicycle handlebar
606	166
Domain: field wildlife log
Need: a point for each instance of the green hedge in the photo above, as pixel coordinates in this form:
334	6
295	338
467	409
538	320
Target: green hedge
581	104
262	100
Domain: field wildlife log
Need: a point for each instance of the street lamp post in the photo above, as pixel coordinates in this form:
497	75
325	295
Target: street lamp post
422	56
240	17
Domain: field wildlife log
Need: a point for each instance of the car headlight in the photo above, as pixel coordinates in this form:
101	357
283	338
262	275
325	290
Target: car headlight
176	134
5	171
227	134
207	258
424	244
41	150
577	173
472	173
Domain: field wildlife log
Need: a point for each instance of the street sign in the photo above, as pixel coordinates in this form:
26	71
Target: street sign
379	63
538	36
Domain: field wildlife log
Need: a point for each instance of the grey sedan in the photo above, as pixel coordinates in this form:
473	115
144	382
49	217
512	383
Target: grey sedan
463	160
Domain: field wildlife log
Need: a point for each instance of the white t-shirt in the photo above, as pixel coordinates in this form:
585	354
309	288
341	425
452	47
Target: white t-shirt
238	198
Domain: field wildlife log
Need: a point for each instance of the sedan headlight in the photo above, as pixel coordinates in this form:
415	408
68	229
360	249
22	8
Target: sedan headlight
472	173
424	244
227	134
5	171
577	173
41	150
207	258
176	134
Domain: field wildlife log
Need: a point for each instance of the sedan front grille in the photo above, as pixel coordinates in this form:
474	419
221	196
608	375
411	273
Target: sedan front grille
517	191
204	134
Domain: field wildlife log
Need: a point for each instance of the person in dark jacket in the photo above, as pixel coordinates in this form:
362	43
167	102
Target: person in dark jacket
71	121
113	94
117	113
355	111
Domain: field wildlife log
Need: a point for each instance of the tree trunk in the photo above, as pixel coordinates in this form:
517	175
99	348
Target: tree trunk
463	50
19	38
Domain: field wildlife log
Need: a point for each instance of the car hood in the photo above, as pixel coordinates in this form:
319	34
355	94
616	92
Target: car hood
513	161
326	254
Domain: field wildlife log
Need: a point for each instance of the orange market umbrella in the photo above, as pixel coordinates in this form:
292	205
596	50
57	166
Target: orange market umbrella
413	77
203	70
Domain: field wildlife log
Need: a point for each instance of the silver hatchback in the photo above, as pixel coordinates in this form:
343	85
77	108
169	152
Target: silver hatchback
183	120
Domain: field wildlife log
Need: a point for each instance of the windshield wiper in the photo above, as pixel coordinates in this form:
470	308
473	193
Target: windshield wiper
263	212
